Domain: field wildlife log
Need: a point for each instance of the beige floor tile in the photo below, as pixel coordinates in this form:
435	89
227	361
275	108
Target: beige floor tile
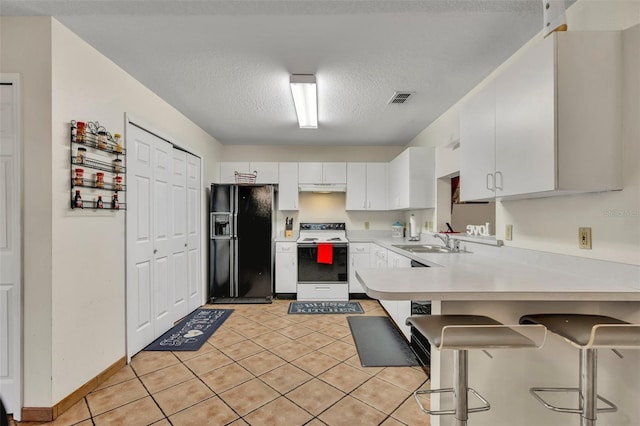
122	375
315	396
241	350
212	411
349	411
115	396
316	340
208	361
280	411
316	363
181	396
393	422
163	422
381	395
316	422
249	396
339	350
317	323
141	412
270	340
227	377
291	350
167	377
277	323
76	414
185	355
354	361
295	331
285	378
253	330
344	377
148	361
260	316
262	362
239	422
410	414
336	331
408	378
222	338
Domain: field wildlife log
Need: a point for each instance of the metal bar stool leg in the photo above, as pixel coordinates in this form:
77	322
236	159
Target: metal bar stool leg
588	387
460	386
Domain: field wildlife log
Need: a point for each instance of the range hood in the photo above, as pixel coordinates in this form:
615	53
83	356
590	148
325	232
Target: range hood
322	187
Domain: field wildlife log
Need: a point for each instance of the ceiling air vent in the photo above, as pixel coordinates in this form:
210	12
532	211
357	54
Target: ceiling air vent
400	97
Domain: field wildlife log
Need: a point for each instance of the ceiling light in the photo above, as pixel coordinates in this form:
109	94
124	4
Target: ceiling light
305	98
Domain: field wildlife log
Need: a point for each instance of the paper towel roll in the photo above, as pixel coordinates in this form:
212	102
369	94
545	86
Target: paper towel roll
413	232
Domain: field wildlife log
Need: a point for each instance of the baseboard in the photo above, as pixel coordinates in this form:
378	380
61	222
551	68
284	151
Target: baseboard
47	414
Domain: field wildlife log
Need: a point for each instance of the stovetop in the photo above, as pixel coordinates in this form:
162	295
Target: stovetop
334	232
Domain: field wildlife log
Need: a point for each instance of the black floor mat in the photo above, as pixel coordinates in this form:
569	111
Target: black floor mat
380	344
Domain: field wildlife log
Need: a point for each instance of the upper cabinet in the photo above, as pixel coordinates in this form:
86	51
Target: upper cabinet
367	186
412	179
550	124
288	187
323	173
266	173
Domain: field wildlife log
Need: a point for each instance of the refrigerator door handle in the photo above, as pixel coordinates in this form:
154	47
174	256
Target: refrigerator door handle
212	230
234	237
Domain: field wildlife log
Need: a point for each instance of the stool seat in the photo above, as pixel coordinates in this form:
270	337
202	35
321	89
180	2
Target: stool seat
589	330
468	332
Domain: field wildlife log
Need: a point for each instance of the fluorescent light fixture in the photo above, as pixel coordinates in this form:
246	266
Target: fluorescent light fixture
305	98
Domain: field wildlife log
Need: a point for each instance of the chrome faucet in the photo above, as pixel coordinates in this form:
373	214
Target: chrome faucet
445	239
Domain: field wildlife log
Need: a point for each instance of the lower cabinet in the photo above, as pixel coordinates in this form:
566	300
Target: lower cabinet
398	310
323	292
286	267
358	258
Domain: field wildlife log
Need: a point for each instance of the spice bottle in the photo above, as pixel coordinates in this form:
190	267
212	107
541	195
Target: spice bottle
79	177
81	132
117	165
99	180
77	200
102	140
80	155
118	183
118	147
99	203
115	204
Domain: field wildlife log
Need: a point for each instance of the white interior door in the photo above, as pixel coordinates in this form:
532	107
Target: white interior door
179	256
10	235
194	235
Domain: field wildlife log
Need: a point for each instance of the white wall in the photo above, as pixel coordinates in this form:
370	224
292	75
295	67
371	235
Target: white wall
31	58
74	260
551	224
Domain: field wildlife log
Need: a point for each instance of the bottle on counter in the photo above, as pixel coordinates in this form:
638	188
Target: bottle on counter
77	200
99	203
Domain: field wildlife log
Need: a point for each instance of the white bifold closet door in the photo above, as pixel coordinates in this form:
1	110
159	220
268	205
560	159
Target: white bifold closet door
163	282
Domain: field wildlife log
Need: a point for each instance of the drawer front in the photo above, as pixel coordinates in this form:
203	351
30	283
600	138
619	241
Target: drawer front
359	248
286	247
320	292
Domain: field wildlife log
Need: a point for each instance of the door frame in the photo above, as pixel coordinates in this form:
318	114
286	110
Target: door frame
145	126
13	404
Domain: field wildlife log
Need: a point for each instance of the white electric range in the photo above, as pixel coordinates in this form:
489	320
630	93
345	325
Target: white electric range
323	253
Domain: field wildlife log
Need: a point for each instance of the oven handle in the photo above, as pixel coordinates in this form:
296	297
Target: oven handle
316	244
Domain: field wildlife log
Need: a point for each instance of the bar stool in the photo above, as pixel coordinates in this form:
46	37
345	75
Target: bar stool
588	333
461	333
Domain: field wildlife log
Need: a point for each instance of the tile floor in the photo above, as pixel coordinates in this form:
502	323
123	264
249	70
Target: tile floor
261	367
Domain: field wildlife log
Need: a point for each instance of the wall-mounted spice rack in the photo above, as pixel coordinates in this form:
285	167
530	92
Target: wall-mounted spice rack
102	152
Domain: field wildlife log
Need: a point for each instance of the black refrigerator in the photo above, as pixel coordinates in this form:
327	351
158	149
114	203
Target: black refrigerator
241	246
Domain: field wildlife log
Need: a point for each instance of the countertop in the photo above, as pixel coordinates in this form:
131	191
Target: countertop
498	276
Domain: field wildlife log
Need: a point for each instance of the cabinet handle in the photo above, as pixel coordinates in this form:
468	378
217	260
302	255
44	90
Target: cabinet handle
322	288
496	181
155	251
490	186
369	204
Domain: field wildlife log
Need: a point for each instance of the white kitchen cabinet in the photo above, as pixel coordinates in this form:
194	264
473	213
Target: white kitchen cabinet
378	256
286	267
395	260
398	310
367	186
412	179
267	172
322	173
288	186
555	122
359	257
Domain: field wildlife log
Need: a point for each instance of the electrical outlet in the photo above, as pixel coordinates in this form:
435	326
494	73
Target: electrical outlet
508	232
428	225
366	225
584	238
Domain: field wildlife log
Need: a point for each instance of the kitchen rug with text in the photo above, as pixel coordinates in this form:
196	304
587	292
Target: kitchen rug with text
325	308
191	333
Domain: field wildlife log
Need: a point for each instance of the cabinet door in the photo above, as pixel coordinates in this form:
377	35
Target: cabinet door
267	172
525	123
399	173
310	173
377	178
286	268
477	146
334	172
288	186
228	171
395	260
403	311
356	186
359	258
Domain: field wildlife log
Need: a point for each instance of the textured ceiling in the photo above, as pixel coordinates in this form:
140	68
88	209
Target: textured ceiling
226	64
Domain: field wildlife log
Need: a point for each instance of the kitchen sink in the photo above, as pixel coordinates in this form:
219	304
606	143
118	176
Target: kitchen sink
427	248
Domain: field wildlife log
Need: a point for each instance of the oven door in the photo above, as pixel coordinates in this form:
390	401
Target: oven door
310	271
